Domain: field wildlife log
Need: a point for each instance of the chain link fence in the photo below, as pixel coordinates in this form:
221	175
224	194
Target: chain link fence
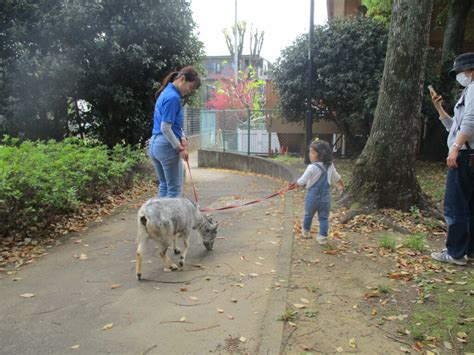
256	132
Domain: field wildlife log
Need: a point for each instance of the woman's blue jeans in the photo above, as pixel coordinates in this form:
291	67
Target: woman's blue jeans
168	166
459	207
317	201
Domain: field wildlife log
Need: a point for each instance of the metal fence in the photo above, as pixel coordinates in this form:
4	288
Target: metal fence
257	132
243	131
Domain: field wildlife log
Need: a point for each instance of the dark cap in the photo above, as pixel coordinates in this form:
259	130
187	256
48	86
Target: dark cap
462	62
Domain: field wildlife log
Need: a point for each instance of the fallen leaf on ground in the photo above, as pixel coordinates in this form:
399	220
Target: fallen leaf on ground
448	345
405	350
243	339
27	295
74	347
253	274
182	319
461	335
340	349
304	300
230	316
470	319
108	326
114	286
399	317
352	343
299	305
83	257
219	310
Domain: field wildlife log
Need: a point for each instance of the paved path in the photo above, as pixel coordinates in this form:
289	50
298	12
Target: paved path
236	291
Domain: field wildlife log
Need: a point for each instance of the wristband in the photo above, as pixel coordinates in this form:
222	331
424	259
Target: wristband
455	145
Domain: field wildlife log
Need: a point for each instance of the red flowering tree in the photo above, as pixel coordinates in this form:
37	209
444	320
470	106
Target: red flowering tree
246	94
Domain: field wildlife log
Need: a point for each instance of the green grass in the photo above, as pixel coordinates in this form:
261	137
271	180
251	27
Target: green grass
388	242
444	313
310	313
288	315
287	159
415	242
385	289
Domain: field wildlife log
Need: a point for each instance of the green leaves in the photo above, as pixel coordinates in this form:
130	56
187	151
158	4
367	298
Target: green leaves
108	53
41	179
348	63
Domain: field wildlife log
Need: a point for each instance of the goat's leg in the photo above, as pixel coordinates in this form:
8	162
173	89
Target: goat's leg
166	259
176	250
142	237
185	251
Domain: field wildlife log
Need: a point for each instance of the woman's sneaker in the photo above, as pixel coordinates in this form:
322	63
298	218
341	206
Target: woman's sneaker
321	239
444	257
306	235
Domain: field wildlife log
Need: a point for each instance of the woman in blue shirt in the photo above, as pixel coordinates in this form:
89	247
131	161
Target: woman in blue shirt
168	143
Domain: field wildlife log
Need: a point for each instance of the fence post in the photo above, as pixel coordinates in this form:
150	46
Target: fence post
269	134
248	133
223	130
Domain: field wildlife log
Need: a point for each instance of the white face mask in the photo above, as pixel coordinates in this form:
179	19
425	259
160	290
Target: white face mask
463	79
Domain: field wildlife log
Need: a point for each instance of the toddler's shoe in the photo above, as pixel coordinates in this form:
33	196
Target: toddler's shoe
306	235
444	257
321	239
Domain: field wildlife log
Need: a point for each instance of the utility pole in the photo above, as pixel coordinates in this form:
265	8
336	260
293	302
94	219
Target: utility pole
309	113
236	54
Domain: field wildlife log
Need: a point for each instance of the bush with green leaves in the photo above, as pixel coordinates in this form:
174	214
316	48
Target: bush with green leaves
39	180
349	57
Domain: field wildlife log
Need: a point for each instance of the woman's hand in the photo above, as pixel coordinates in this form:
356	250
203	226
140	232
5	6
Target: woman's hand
184	155
184	142
452	158
437	102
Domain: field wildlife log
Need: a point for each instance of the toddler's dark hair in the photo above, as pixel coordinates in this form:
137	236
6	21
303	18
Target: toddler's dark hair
324	151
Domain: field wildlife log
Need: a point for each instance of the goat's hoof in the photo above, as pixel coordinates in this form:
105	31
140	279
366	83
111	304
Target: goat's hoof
177	251
173	267
139	277
181	263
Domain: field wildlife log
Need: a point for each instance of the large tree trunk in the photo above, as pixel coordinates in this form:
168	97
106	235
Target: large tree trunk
384	174
454	30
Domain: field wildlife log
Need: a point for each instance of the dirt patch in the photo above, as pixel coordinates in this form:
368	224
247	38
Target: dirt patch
366	291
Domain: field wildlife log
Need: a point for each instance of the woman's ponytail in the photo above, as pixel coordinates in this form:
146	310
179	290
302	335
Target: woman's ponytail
189	74
169	79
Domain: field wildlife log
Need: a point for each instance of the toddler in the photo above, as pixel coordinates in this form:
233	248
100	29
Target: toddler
317	179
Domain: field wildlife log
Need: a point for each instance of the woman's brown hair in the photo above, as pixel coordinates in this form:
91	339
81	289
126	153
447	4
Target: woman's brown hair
189	73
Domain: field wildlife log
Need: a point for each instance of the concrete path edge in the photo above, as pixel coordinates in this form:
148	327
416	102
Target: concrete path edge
272	330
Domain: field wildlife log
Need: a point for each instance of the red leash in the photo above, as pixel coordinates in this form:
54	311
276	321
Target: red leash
278	193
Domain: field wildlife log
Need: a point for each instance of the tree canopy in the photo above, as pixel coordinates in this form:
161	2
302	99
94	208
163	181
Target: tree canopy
112	54
348	62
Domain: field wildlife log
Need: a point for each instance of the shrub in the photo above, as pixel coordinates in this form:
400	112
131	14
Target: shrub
39	180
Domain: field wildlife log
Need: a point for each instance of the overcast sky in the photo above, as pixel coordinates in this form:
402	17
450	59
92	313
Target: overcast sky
282	21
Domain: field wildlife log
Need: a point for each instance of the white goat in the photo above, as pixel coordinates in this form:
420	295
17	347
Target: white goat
166	219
